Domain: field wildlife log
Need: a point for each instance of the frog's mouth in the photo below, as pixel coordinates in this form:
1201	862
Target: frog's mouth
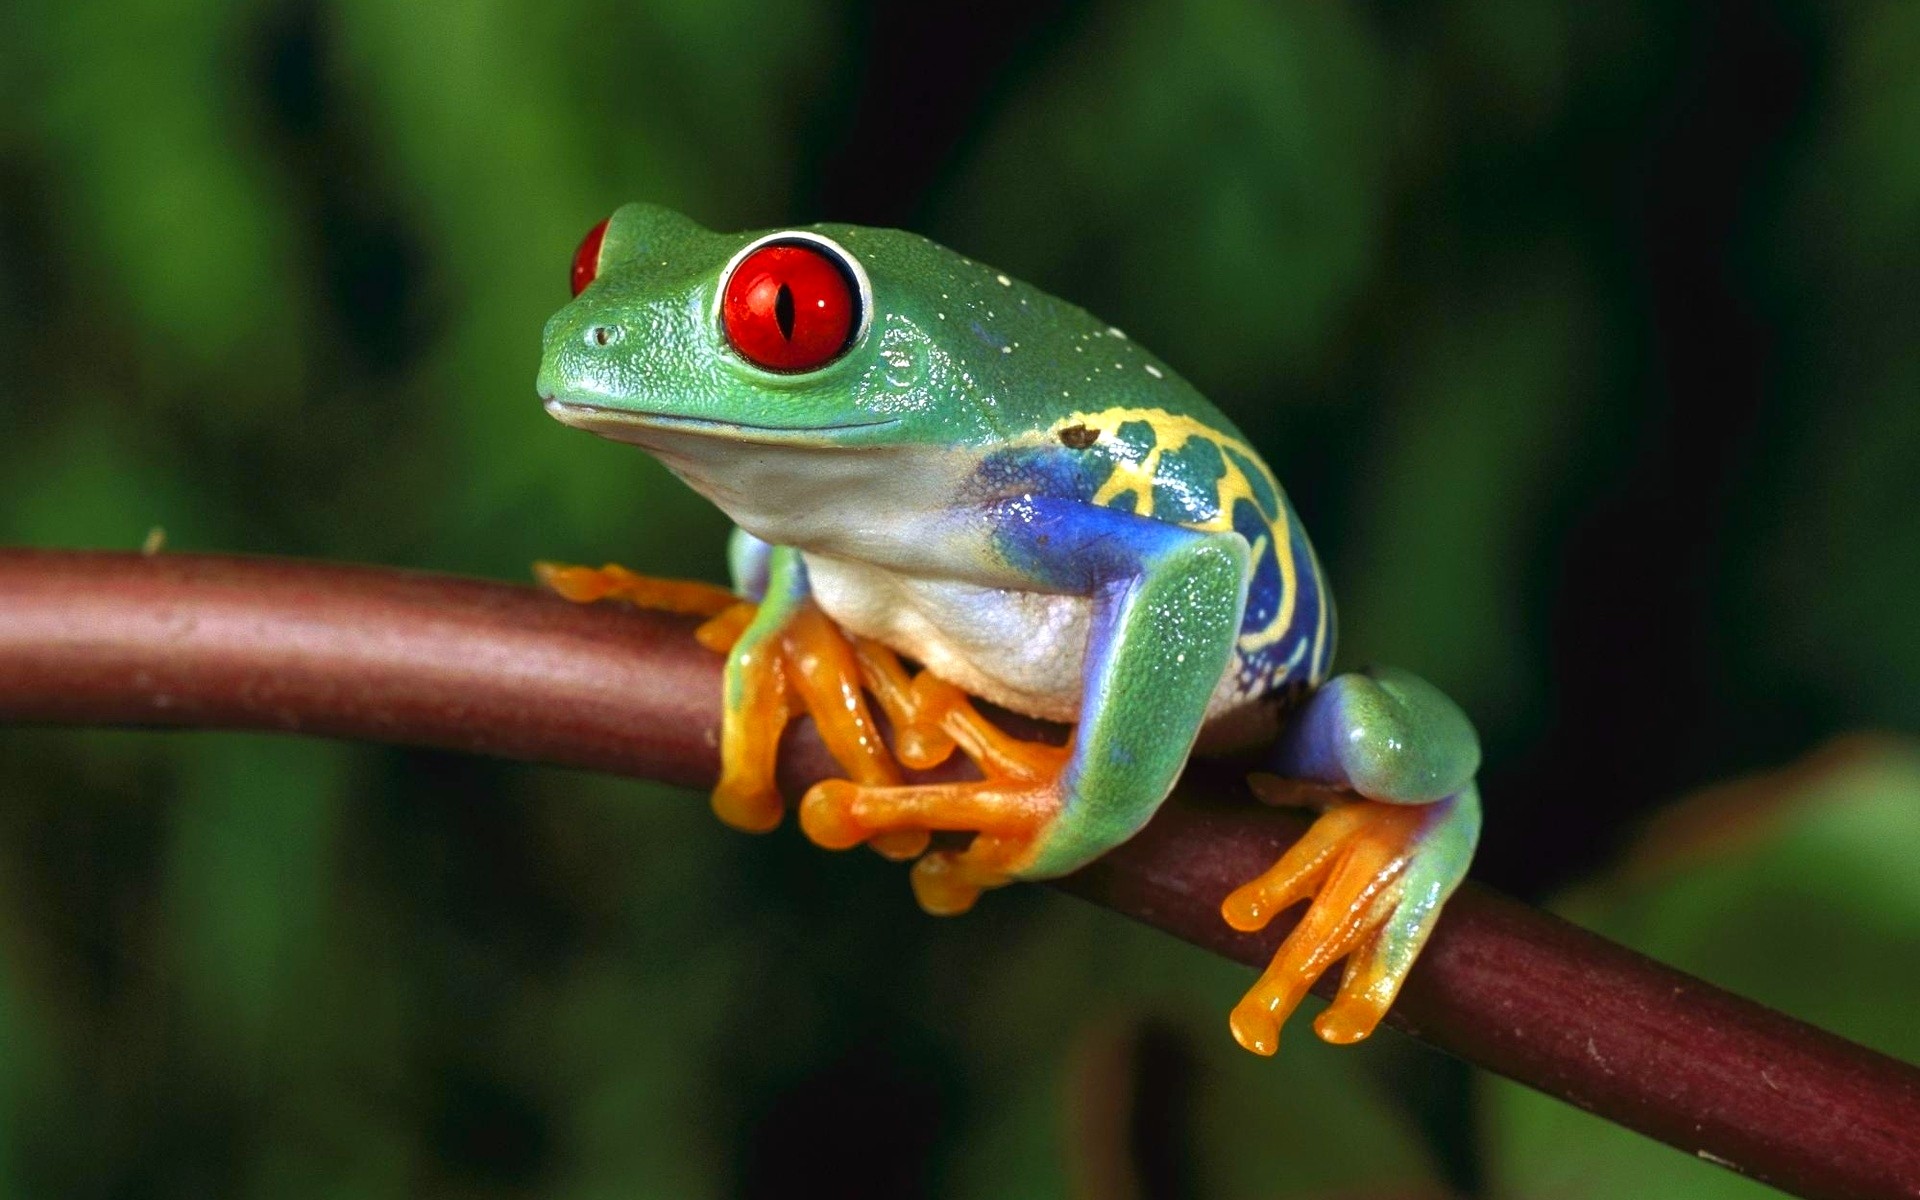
630	425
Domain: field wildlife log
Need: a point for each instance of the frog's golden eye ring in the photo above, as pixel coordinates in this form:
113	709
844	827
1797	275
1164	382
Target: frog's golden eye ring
586	260
792	303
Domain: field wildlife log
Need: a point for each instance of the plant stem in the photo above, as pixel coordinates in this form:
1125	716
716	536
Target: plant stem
490	668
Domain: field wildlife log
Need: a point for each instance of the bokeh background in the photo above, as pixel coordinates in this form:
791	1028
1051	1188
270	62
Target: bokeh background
1583	336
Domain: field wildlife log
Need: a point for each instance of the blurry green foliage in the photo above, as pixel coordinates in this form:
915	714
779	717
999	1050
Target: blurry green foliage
271	277
1840	262
1258	138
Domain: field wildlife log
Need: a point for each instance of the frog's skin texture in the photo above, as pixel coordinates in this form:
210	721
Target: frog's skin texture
996	485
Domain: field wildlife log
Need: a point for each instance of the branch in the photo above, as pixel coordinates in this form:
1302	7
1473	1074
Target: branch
353	652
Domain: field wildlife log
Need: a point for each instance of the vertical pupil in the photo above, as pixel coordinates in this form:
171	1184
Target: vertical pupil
783	311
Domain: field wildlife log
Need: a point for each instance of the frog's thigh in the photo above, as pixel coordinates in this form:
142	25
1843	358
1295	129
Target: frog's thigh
1386	734
1167	604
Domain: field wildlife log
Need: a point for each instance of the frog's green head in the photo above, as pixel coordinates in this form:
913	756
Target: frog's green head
810	337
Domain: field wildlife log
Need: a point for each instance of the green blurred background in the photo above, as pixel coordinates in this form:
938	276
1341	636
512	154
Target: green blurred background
1584	338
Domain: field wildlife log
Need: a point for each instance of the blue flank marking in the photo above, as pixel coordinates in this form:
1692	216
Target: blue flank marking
1076	547
1061	473
1292	656
1043	471
1263	590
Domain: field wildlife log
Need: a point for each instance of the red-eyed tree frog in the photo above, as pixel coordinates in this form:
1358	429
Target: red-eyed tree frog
929	460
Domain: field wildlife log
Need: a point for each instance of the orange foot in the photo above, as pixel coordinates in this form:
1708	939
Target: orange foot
1353	865
816	668
1006	811
810	667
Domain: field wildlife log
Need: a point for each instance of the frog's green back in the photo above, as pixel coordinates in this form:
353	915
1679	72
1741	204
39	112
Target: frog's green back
1018	358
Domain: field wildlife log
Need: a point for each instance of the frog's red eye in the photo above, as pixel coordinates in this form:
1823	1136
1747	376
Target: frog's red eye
789	307
586	260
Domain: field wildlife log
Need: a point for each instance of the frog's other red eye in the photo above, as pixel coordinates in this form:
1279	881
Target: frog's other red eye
789	307
586	260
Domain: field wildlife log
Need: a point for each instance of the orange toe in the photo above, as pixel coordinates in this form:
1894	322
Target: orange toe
1005	816
824	671
1350	864
719	632
918	740
586	585
947	883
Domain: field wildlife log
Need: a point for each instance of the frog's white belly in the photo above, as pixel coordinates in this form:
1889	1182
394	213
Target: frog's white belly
1021	650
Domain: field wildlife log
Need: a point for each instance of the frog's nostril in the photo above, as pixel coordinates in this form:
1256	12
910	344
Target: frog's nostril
604	335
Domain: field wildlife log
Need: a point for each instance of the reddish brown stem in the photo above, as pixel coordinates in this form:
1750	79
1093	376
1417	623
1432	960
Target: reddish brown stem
176	640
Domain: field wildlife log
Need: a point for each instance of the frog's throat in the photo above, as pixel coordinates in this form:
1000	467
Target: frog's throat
626	425
888	503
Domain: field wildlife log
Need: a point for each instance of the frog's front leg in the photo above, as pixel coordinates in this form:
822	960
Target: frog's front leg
783	656
1166	603
1378	867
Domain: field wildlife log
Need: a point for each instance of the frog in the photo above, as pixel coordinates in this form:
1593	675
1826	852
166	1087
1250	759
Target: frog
954	494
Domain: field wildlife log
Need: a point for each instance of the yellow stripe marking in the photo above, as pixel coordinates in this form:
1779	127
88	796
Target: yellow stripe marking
1171	432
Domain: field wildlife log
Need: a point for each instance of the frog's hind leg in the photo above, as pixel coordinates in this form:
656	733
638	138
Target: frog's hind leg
1166	606
1377	865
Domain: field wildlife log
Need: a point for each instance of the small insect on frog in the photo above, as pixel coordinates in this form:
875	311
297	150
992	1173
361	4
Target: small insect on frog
930	461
